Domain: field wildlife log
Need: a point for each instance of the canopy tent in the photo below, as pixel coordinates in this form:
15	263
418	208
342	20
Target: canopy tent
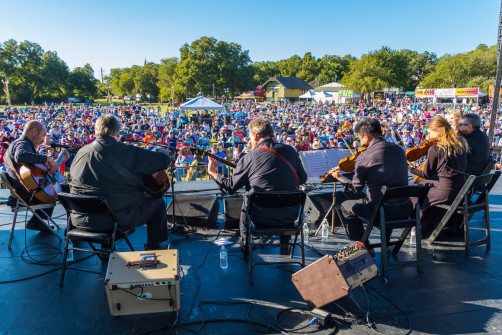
323	96
310	94
200	103
249	95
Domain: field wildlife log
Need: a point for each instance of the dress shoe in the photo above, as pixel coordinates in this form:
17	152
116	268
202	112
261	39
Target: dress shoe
37	225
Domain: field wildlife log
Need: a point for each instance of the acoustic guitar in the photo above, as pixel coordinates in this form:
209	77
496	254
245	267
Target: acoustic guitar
38	179
157	184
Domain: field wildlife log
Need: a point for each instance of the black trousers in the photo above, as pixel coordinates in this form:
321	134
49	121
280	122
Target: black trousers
351	207
152	212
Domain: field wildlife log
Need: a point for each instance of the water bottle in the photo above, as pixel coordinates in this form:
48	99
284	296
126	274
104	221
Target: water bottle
306	232
325	229
413	236
223	258
69	257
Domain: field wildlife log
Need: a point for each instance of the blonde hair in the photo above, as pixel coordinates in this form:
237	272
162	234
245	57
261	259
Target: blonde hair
448	139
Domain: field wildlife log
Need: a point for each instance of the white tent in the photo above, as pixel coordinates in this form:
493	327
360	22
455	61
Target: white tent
200	103
310	94
323	96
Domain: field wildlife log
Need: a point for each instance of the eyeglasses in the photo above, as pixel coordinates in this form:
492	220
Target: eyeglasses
463	124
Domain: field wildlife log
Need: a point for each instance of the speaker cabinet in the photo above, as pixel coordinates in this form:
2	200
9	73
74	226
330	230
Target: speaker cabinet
194	210
316	206
232	208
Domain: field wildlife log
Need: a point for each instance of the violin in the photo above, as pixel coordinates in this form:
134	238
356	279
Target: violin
346	164
415	153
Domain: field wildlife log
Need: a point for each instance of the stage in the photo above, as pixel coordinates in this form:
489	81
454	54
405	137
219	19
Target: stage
454	294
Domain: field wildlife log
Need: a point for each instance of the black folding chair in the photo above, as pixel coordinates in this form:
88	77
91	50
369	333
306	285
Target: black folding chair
379	218
22	206
96	207
466	208
274	200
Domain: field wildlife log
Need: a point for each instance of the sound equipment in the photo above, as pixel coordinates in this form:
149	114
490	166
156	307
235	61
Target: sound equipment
316	206
232	207
194	210
153	286
333	276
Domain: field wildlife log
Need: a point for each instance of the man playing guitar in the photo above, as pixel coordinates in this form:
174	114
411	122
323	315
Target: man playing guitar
23	151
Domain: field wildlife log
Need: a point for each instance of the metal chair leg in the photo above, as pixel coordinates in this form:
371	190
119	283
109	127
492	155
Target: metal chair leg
14	220
65	255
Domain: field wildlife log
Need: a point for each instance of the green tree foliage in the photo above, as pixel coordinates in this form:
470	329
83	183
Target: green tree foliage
379	69
207	62
471	69
165	84
146	79
38	75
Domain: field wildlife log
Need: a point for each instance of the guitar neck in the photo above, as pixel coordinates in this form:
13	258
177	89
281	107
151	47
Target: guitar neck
223	160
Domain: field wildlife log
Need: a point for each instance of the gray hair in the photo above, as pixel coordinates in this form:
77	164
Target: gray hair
107	125
473	119
261	127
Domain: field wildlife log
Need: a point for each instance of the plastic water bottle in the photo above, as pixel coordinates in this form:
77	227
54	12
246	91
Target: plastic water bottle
306	232
69	257
413	236
223	258
325	229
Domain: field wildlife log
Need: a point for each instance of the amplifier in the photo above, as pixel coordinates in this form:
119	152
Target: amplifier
232	207
333	276
145	288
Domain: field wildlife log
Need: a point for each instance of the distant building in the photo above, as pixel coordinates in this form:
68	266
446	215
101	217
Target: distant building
290	88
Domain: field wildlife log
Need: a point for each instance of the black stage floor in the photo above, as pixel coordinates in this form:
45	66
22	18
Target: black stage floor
455	294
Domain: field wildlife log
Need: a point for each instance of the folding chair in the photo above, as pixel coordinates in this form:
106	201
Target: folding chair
462	205
96	207
400	195
274	200
22	206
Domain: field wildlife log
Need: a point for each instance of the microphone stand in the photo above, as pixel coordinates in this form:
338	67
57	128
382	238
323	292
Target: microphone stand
175	229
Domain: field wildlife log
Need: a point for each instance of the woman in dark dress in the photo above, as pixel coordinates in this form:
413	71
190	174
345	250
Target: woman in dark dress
446	160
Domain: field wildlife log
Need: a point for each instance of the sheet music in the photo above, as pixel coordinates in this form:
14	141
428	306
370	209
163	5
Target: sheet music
314	163
333	156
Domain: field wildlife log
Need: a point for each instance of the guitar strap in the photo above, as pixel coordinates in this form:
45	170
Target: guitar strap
115	164
281	157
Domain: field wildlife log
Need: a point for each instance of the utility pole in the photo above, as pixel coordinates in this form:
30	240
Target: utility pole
498	78
101	75
213	92
5	81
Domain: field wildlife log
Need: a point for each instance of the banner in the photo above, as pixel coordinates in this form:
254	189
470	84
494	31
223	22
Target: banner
425	93
466	92
345	93
445	93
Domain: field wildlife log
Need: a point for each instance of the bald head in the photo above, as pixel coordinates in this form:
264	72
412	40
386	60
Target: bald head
35	131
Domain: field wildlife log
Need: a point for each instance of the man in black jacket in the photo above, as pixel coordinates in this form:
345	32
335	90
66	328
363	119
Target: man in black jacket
479	144
260	170
381	164
93	173
23	151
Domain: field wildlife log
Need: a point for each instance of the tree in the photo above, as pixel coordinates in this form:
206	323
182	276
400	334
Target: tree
56	75
290	67
146	79
165	83
83	83
309	68
450	71
378	69
207	62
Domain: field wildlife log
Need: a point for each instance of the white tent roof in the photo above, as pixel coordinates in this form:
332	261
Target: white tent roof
481	94
307	95
323	94
331	87
201	103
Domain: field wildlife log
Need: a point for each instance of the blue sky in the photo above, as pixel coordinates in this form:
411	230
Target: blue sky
110	33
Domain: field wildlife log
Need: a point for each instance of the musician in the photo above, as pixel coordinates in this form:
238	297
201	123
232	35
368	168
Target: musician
381	164
448	161
260	170
479	144
93	173
23	151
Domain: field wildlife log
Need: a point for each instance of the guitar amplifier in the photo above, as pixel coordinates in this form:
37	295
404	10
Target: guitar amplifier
333	276
146	288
